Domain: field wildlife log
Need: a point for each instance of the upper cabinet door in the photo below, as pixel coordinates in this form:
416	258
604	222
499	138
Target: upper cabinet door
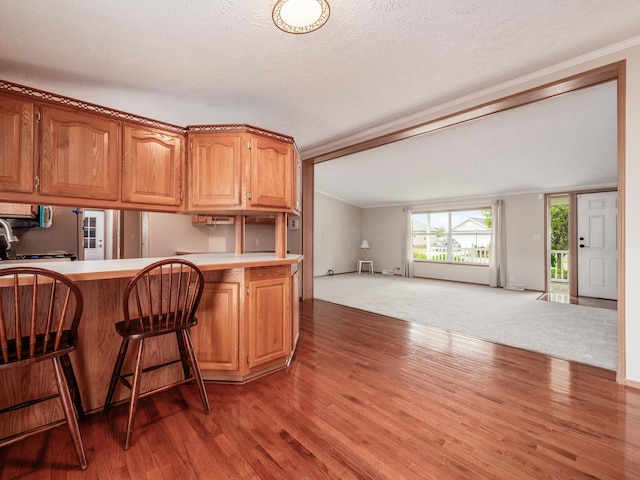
152	166
16	145
215	170
79	155
272	173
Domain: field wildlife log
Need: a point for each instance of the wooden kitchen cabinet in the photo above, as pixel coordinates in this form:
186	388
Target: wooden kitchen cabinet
216	338
152	166
16	145
269	327
272	174
245	322
239	170
79	155
64	151
215	171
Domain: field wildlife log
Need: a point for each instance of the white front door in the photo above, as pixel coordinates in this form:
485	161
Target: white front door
93	234
597	245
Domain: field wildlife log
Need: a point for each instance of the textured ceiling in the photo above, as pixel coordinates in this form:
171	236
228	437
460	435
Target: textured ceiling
561	143
223	61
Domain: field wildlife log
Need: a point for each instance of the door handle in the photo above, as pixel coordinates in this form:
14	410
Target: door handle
583	246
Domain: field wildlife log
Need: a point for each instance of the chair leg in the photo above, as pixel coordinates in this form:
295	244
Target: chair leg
184	358
67	369
116	373
195	367
69	412
135	392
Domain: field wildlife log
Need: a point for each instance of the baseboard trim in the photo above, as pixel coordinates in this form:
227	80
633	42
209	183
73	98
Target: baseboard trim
632	383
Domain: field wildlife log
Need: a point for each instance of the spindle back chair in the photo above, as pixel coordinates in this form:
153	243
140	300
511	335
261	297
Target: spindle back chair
40	312
160	299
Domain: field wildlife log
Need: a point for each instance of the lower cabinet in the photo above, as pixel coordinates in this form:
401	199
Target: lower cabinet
269	327
217	339
245	323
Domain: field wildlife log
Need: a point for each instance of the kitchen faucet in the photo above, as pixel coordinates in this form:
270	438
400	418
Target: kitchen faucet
9	235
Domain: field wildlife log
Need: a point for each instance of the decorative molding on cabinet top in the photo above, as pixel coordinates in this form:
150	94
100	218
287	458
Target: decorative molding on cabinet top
239	128
61	100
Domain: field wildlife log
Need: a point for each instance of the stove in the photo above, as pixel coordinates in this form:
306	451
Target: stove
61	256
41	257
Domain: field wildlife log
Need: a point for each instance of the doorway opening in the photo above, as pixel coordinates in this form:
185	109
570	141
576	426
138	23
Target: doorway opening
581	248
93	234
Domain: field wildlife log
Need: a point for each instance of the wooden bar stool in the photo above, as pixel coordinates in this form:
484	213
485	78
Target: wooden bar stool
39	315
161	299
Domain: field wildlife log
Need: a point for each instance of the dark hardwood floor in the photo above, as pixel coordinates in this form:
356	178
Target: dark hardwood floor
365	397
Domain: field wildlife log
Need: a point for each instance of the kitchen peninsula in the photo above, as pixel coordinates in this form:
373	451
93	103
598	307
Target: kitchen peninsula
247	327
65	152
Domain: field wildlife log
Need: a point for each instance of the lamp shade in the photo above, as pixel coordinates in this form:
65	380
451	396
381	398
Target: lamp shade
364	244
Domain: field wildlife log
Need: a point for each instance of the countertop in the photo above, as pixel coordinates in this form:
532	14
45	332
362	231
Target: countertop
124	268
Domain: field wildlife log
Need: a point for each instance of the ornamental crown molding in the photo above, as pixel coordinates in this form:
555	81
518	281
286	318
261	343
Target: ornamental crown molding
60	100
239	128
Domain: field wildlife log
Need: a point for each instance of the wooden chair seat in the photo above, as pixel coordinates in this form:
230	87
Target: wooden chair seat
152	326
161	299
66	346
39	315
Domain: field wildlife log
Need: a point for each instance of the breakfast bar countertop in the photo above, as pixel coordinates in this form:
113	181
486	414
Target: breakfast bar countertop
123	268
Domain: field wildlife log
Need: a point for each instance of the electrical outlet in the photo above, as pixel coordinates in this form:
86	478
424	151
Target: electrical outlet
512	278
257	241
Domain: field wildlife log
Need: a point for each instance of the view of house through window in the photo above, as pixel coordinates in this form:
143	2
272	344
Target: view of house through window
461	236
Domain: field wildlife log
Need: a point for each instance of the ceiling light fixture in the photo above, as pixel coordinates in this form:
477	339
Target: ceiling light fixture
299	16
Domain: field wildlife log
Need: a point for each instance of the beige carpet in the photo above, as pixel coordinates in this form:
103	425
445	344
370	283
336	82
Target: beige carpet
571	332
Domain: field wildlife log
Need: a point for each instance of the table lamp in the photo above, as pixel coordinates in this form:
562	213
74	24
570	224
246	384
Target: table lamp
364	246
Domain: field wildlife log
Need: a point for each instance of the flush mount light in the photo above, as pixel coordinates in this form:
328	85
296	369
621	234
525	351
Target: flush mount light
299	16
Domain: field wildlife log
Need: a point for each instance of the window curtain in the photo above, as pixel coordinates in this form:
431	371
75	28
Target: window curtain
407	244
498	253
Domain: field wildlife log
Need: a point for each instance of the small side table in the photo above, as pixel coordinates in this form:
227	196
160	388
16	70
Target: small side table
369	263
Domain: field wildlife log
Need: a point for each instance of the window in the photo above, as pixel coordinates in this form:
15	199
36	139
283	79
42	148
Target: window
458	236
89	232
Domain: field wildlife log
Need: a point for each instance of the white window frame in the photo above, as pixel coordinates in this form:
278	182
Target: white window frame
452	251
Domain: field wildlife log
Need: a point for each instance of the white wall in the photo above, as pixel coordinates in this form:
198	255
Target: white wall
524	219
337	235
131	246
168	232
632	220
383	228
